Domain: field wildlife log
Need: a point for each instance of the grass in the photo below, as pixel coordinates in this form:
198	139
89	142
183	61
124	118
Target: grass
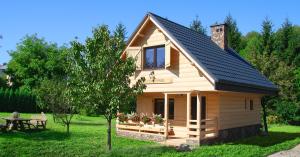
88	138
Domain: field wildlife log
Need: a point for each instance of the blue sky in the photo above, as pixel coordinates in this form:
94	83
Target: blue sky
61	21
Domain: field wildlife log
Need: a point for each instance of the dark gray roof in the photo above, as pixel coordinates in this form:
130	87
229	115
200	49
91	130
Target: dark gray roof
227	68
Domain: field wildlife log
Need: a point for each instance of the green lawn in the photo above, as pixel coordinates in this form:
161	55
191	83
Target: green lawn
88	138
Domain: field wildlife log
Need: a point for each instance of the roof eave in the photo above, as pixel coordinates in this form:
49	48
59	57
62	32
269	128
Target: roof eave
241	87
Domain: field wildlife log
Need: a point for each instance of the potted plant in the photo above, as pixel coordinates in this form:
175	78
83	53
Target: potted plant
133	117
157	118
145	119
122	117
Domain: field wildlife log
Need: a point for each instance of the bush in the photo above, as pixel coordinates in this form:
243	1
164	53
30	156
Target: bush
20	100
287	110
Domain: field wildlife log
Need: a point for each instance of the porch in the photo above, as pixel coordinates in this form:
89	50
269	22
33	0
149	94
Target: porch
192	117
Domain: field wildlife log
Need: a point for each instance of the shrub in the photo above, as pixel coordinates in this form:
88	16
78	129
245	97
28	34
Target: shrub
20	100
287	110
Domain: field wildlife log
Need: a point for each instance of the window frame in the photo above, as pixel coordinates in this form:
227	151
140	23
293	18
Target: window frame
170	117
251	105
154	66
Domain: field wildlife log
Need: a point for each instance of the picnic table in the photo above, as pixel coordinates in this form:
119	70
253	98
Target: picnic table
17	123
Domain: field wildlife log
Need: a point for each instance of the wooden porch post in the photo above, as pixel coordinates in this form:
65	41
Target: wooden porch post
199	115
166	115
188	110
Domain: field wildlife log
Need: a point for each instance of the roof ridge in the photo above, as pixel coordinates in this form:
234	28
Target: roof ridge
150	13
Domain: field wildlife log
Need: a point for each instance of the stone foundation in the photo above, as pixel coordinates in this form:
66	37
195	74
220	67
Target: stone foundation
237	133
227	135
141	135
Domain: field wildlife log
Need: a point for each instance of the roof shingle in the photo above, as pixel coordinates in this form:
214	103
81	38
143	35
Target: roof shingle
226	67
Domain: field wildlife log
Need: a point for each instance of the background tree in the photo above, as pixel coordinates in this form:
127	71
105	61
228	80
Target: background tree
33	61
101	75
267	36
197	26
233	33
264	54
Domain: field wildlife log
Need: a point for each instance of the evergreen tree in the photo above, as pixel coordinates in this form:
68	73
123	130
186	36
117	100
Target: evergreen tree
196	25
285	35
267	36
233	33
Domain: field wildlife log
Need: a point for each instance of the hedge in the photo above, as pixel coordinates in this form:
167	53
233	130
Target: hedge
17	100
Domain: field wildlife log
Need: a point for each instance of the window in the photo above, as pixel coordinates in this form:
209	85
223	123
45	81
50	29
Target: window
203	107
194	107
159	107
245	103
171	108
251	104
154	57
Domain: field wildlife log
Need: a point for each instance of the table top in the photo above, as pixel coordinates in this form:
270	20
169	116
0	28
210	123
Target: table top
16	119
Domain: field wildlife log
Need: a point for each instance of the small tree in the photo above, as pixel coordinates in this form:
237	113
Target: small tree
55	96
101	75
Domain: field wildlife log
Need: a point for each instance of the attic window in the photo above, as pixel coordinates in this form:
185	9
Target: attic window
154	57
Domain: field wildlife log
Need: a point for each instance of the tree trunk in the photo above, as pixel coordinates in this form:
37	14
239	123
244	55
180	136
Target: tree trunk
109	134
265	118
68	128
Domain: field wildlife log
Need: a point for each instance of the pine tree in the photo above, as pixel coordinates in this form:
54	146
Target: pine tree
233	33
267	36
196	25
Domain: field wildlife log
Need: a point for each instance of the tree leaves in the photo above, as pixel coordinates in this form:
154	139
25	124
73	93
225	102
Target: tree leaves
103	75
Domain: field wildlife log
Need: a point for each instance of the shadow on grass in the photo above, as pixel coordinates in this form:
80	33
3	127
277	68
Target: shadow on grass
272	139
44	135
36	135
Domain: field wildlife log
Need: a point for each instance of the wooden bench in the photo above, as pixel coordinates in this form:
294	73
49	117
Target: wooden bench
38	121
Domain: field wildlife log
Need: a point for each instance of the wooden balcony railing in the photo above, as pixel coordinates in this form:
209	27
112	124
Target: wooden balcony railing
206	129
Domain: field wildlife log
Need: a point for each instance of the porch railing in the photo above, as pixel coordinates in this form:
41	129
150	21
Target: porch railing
207	128
159	129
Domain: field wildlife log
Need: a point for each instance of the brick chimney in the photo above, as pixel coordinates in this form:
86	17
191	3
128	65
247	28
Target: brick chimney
219	35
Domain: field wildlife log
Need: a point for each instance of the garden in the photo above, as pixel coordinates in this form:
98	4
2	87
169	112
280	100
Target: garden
88	138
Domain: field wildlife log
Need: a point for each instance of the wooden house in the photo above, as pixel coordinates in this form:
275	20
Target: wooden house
203	89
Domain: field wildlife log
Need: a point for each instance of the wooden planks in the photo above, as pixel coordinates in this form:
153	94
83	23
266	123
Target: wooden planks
233	112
